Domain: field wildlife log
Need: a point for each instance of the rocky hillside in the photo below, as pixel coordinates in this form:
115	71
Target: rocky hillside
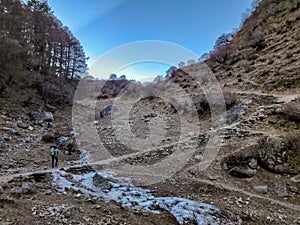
265	53
243	167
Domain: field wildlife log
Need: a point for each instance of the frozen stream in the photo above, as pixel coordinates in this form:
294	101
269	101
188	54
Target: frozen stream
109	187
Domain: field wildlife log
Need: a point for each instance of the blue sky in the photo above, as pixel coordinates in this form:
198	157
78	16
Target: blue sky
103	25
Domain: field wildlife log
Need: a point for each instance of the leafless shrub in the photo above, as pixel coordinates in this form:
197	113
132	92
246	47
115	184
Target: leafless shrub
221	54
230	99
291	111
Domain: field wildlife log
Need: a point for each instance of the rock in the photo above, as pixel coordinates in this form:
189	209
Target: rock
193	171
270	82
41	117
77	195
2	144
281	190
8	118
106	111
296	179
27	188
28	139
235	112
262	189
67	212
49	192
212	177
278	155
48	117
253	163
198	157
16	191
63	141
47	125
242	172
5	137
241	165
101	182
1	190
23	125
294	189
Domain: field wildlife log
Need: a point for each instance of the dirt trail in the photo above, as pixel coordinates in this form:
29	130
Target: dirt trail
281	98
9	177
236	189
5	179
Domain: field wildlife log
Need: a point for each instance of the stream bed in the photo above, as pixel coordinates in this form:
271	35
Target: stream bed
107	186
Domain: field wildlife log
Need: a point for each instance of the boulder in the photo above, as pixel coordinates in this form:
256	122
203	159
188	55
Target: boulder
16	191
41	117
23	125
262	189
48	117
27	188
242	172
280	154
101	182
106	111
242	165
281	190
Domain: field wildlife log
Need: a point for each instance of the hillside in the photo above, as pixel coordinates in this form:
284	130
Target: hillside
169	152
264	54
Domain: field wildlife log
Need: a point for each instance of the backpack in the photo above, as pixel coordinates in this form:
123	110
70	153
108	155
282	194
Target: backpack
53	151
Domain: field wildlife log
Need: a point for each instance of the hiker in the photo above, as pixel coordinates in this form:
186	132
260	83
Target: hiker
54	154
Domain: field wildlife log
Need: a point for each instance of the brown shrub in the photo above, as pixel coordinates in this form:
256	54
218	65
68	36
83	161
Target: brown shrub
291	111
221	54
49	138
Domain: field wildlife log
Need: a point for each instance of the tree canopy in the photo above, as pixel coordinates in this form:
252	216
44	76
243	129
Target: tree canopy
32	39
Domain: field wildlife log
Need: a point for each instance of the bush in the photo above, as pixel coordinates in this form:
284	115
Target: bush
291	111
230	99
222	53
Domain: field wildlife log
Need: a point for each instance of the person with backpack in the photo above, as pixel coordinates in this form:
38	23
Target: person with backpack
54	155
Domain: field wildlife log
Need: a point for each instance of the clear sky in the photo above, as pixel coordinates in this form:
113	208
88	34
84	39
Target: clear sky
102	25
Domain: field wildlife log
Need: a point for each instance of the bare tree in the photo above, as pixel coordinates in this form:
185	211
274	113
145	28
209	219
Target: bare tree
181	64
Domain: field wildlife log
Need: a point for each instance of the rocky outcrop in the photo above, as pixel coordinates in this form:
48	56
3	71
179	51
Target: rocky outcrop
241	165
100	181
280	154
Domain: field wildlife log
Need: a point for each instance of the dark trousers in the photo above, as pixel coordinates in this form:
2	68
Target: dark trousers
54	161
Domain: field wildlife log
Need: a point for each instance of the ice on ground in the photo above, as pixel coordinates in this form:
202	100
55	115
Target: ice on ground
122	191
